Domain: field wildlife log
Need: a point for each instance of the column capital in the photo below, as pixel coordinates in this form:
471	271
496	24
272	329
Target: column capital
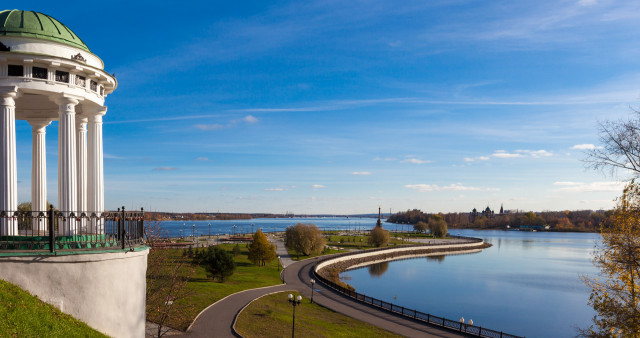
66	99
8	94
81	123
94	111
10	91
39	123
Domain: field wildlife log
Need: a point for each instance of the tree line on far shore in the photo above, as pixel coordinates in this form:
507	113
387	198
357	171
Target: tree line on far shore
581	220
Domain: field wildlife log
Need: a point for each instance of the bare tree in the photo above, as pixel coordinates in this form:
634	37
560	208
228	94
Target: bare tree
620	148
167	277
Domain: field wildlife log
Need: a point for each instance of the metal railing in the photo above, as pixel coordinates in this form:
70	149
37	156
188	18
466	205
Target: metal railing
53	230
450	324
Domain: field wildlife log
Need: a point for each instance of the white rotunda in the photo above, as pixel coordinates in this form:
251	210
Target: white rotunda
47	73
88	262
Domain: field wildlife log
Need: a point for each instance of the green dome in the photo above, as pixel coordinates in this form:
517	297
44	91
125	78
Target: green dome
38	25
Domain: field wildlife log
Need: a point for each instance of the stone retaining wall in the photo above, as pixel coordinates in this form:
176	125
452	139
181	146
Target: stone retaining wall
365	258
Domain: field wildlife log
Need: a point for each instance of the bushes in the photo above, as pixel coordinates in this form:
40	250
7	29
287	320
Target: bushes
379	236
437	226
306	239
420	227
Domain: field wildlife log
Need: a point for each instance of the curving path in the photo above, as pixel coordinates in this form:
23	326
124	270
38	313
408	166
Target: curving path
217	320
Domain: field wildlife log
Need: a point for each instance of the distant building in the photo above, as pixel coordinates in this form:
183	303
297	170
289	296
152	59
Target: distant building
487	212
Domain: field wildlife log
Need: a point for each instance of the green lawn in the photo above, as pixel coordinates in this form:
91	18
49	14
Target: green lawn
24	315
205	291
347	242
296	256
271	316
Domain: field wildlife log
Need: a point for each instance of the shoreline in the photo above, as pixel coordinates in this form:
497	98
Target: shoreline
330	268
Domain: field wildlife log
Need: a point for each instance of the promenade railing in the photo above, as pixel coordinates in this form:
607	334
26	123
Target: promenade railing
54	230
450	324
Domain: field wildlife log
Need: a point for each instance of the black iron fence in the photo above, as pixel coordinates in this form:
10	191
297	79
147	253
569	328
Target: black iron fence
468	329
54	230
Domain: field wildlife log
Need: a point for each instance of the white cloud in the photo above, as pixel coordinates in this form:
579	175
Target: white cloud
586	146
517	154
415	161
273	189
536	153
360	173
215	126
567	183
317	186
202	159
479	158
450	187
504	154
250	119
589	187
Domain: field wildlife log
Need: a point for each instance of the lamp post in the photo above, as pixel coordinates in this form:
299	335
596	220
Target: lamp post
209	230
278	263
294	302
313	282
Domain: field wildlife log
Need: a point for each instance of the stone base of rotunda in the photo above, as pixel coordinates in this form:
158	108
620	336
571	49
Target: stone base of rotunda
105	290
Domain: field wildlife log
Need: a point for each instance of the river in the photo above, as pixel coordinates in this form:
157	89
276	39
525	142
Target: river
527	283
245	226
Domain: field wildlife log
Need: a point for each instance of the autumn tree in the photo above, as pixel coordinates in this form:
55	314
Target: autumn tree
437	226
306	239
420	226
260	250
378	236
615	293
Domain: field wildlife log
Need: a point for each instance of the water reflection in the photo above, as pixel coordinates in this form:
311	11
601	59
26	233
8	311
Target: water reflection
439	258
524	275
378	269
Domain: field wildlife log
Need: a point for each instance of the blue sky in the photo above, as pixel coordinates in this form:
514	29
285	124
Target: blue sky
341	106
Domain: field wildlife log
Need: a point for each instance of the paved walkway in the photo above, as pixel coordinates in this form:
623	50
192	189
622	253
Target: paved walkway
298	277
218	318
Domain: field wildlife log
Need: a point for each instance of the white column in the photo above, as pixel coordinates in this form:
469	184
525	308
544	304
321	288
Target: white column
81	138
67	175
39	172
95	174
8	166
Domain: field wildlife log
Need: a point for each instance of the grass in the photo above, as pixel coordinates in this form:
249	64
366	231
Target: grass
346	242
296	256
204	291
359	242
271	316
24	315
